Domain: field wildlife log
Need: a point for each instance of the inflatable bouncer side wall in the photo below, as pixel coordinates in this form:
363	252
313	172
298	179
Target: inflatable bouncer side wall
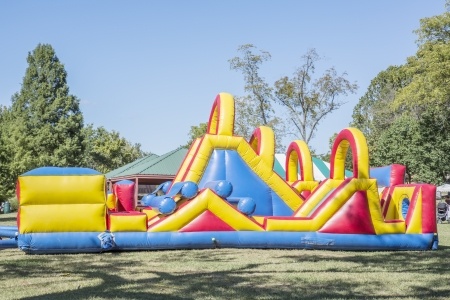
61	210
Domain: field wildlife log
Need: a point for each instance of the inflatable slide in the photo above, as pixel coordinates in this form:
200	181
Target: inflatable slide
227	194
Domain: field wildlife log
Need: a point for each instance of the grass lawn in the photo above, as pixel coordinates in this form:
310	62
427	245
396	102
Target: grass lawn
228	274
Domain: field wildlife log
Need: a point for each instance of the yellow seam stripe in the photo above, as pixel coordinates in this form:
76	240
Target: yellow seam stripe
301	186
187	160
206	200
183	216
72	218
415	224
62	189
212	127
378	222
292	166
226	115
267	145
319	195
305	160
230	215
362	153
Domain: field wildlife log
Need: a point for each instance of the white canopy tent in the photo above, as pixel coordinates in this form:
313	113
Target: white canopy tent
442	190
321	169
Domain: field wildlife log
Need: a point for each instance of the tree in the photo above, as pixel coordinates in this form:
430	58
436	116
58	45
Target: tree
44	127
309	101
396	144
44	122
429	69
374	111
6	182
405	110
196	132
426	98
255	109
416	144
259	90
106	151
434	29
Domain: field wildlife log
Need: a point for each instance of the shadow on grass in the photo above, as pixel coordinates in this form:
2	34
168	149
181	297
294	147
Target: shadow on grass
262	280
12	218
197	285
422	262
445	248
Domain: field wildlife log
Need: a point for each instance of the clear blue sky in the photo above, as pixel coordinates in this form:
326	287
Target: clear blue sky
151	69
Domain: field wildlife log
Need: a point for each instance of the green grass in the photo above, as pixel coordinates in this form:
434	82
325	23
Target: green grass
228	274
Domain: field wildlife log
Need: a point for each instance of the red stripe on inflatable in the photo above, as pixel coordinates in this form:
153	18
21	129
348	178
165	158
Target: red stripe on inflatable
386	196
192	160
18	199
207	221
18	190
428	208
216	105
18	218
256	135
305	194
182	163
353	217
393	221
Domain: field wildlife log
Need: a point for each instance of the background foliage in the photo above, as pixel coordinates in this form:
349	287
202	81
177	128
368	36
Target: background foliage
44	126
405	111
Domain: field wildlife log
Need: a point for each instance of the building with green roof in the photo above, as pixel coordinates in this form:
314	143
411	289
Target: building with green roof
149	171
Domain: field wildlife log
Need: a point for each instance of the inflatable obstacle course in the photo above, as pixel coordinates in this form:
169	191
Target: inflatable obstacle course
226	193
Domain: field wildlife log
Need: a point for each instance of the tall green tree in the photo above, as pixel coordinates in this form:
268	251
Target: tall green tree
106	151
374	112
405	110
44	122
434	29
307	100
429	70
426	98
6	182
44	127
397	144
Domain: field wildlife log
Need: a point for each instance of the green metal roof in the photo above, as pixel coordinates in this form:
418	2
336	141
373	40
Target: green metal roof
167	164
